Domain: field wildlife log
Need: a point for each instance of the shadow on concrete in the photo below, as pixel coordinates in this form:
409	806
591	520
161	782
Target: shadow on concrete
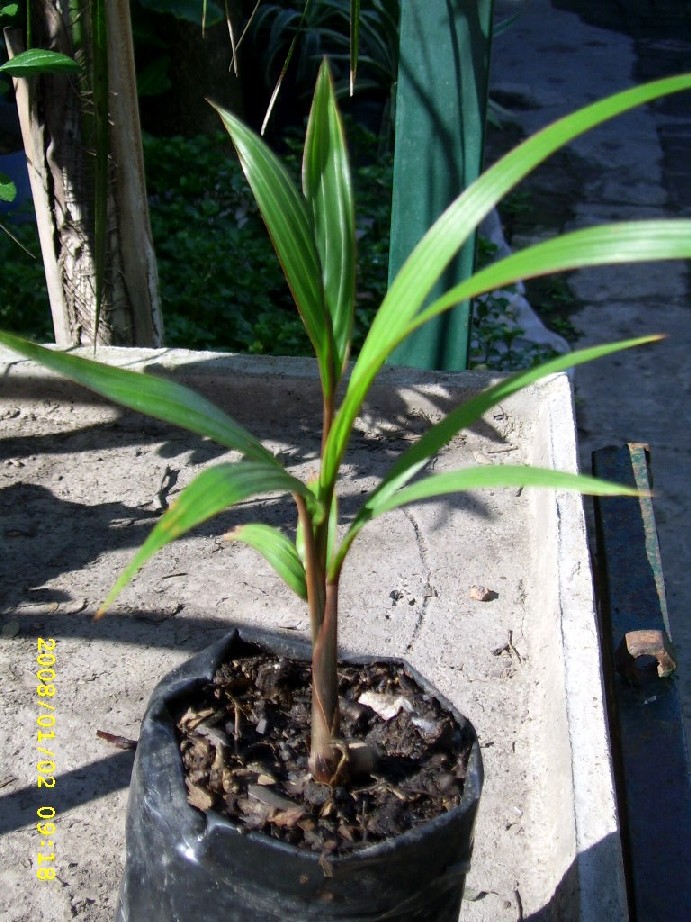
565	903
284	402
46	536
78	787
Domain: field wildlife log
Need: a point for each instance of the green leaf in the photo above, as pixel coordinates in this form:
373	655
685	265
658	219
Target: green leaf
157	397
431	256
8	190
327	187
212	491
285	214
627	242
501	476
278	550
414	458
9	10
39	61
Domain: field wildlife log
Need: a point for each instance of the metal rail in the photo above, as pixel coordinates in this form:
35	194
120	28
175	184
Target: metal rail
648	743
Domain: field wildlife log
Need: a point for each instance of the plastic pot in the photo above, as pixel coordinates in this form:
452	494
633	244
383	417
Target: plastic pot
184	865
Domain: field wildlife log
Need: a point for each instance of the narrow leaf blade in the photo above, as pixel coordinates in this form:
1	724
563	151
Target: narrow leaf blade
463	416
424	266
286	217
354	41
278	550
328	192
608	244
157	397
500	476
428	260
210	493
472	410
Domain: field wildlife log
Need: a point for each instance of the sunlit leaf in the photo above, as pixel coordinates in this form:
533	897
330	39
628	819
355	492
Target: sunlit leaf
608	244
158	397
501	476
8	190
211	492
327	187
431	256
439	435
278	550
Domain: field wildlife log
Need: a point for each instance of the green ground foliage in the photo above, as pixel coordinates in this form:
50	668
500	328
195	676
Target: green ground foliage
221	286
24	306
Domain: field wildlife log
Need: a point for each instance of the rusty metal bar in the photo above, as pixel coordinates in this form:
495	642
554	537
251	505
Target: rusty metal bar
649	748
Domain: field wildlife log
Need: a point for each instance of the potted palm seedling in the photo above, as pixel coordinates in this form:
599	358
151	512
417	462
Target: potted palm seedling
254	797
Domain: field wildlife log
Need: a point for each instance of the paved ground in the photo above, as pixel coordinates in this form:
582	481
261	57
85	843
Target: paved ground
81	483
552	60
557	56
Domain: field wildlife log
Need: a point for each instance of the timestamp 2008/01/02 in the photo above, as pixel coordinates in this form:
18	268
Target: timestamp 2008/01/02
45	748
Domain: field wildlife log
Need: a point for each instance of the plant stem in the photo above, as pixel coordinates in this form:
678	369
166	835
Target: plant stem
327	419
314	574
325	757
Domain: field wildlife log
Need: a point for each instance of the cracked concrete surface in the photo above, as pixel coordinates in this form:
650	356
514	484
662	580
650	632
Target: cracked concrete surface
80	484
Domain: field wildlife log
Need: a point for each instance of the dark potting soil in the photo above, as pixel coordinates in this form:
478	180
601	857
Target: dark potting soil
244	745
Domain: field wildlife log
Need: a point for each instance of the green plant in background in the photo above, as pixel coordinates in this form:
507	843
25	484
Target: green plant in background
355	35
556	304
24	306
313	232
8	193
284	33
8	190
497	340
221	286
217	275
76	104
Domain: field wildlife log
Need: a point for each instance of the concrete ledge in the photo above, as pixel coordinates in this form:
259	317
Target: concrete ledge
80	485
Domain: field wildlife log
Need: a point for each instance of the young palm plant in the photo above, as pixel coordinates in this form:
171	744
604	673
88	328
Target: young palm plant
313	232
